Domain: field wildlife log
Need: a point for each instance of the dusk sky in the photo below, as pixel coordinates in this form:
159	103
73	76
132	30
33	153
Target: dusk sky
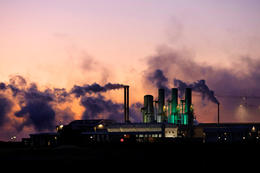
62	43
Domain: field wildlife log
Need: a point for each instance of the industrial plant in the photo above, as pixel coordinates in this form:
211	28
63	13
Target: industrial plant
170	121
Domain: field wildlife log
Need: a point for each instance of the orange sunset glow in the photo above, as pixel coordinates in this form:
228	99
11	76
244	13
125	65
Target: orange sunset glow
60	55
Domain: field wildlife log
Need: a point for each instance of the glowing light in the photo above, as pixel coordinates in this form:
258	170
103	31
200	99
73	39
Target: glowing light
253	129
122	140
241	113
100	126
185	119
164	108
60	127
13	137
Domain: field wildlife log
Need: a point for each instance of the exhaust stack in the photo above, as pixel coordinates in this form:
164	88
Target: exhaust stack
161	105
189	116
218	113
126	103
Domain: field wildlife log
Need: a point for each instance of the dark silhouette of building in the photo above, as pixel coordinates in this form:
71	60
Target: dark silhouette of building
162	122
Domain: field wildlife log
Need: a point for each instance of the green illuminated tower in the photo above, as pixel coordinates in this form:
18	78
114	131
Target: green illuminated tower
173	107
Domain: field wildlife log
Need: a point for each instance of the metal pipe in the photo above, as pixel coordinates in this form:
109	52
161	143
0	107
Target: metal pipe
161	104
218	113
188	112
126	103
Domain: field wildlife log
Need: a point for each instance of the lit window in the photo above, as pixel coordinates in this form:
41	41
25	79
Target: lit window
253	129
60	127
100	126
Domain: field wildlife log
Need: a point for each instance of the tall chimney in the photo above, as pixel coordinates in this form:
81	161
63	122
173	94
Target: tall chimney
188	112
148	109
188	102
161	104
218	113
126	103
174	105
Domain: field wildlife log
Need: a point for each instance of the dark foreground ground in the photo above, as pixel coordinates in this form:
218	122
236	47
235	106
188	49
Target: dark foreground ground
199	154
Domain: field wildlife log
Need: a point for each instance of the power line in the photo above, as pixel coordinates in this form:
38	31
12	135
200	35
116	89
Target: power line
244	97
239	97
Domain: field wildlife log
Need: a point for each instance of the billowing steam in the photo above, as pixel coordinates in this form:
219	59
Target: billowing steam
216	84
5	107
199	86
94	88
158	79
23	105
96	106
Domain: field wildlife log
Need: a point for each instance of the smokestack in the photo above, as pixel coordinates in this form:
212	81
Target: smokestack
218	113
126	103
148	109
174	104
174	100
161	104
188	107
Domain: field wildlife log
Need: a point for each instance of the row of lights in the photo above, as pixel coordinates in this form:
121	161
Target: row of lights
13	138
242	106
244	138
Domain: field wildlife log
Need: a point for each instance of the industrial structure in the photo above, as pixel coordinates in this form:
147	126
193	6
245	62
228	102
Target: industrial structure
161	121
171	121
172	112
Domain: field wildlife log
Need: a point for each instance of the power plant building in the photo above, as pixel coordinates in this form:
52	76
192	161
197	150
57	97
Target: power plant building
172	112
162	122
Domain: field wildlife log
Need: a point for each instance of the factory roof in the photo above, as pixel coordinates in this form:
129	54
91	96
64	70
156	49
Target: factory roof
230	124
77	124
44	134
138	127
92	122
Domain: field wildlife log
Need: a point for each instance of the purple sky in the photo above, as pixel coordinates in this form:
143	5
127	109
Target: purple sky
60	43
